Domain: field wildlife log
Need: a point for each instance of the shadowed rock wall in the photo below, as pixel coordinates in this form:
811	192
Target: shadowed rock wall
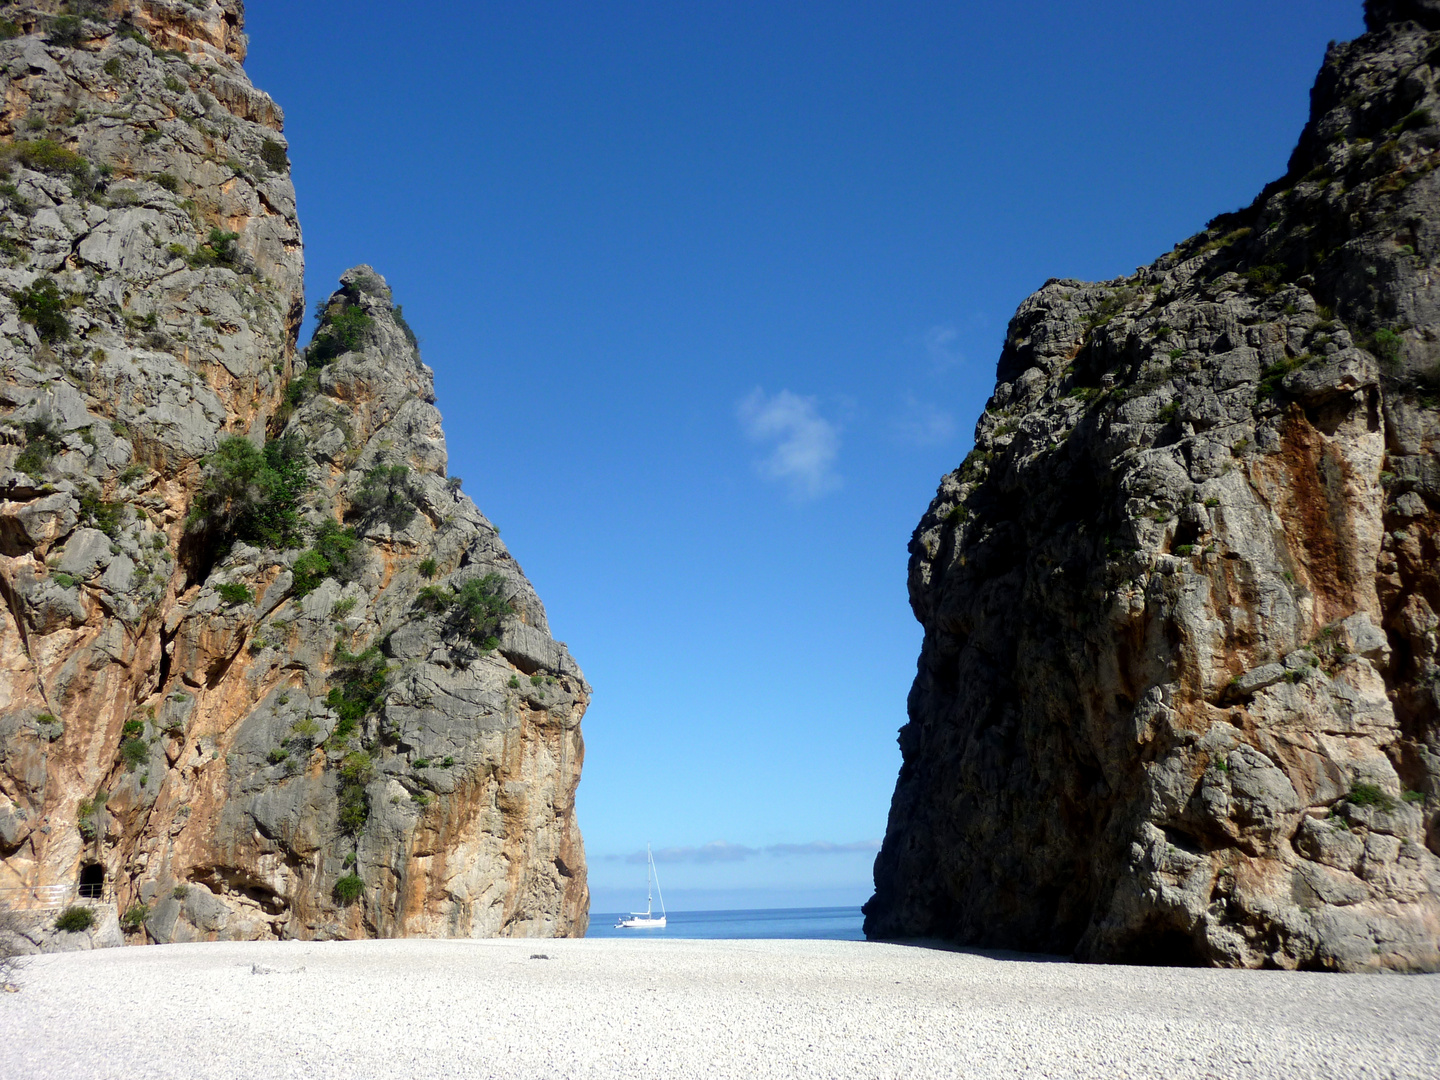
1177	700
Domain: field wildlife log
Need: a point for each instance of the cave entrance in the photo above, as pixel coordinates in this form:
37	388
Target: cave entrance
92	881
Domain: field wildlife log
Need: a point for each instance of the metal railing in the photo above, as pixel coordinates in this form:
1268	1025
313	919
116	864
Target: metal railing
47	896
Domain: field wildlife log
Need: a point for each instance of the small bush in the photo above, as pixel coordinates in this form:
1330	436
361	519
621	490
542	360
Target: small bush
475	610
220	249
1267	279
8	30
420	763
113	67
357	684
133	728
47	155
355	772
134	753
336	553
273	155
234	593
180	892
42	442
277	755
349	888
135	916
65	31
448	763
1367	794
428	568
1413	796
514	682
339	331
65	581
1386	345
386	497
43	307
174	85
101	513
75	919
251	494
343	607
169	182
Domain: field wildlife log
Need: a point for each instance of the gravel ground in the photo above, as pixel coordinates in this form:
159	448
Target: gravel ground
715	1009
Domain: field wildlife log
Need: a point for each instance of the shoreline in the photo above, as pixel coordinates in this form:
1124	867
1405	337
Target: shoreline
611	1007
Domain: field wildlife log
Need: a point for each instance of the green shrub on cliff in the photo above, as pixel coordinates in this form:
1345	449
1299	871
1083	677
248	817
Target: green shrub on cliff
75	919
341	329
386	497
273	155
43	307
356	686
42	442
251	494
349	888
47	155
475	610
336	553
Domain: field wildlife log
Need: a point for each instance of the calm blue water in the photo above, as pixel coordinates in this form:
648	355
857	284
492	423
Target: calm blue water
833	923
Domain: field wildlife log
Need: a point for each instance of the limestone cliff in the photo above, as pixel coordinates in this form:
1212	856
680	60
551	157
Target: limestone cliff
1178	699
264	668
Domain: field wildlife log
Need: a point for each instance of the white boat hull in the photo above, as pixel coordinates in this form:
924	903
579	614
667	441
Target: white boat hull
641	923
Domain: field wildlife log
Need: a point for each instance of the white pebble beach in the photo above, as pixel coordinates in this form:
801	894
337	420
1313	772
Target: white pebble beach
715	1009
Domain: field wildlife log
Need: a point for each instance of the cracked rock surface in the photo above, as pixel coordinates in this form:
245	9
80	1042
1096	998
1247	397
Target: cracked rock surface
1179	696
247	740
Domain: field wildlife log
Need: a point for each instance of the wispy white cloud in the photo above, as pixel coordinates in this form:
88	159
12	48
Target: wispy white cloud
942	346
823	847
805	444
713	852
924	424
723	851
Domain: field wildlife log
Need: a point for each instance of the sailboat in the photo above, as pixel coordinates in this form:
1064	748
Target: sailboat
645	920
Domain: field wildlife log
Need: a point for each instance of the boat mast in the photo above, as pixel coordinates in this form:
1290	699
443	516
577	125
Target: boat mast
649	870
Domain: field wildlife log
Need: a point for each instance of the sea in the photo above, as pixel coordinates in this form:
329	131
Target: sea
829	923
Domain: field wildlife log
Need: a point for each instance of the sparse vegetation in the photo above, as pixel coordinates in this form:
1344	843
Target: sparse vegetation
1364	793
134	752
349	888
1266	279
233	592
221	248
474	611
43	307
335	552
251	494
46	155
427	568
385	497
357	684
338	333
343	607
356	771
42	442
134	917
75	919
1386	344
273	155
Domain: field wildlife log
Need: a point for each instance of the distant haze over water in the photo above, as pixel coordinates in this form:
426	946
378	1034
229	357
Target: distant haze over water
832	923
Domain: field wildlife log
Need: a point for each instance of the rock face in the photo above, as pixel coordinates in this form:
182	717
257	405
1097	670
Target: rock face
1179	699
264	669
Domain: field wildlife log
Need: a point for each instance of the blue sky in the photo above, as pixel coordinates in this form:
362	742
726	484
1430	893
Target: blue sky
713	293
